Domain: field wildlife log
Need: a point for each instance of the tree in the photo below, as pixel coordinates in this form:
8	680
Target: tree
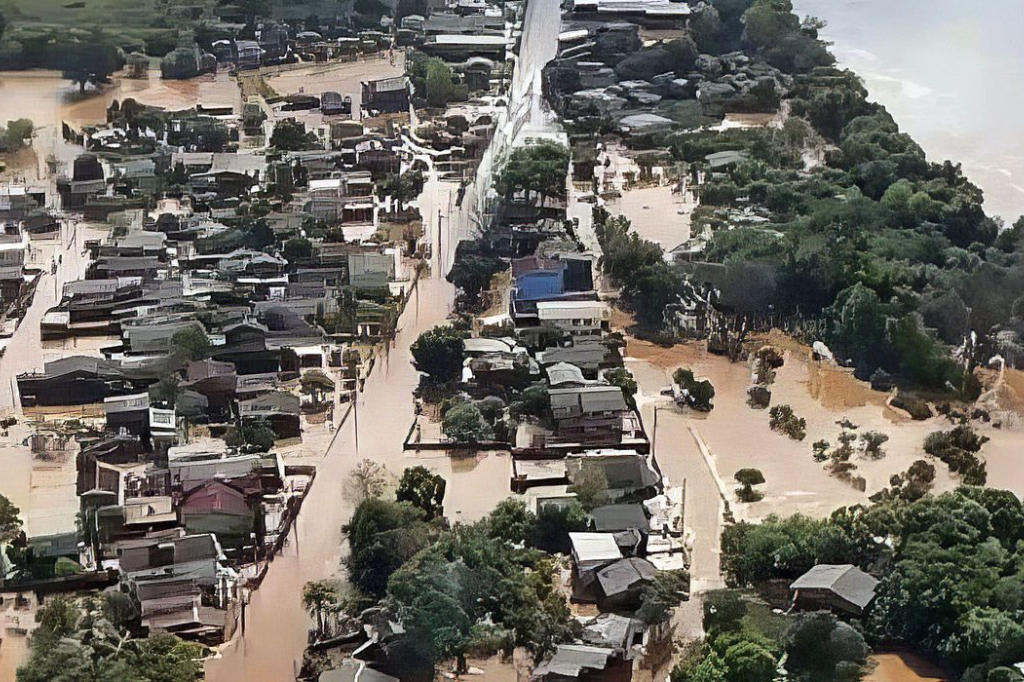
298	249
368	480
465	424
90	61
439	85
402	187
251	435
958	448
382	536
10	521
14	136
590	485
663	594
781	418
3	25
422	489
872	442
623	378
539	169
534	401
76	642
512	522
317	598
290	136
472	592
438	354
189	344
698	394
749	478
555	522
821	647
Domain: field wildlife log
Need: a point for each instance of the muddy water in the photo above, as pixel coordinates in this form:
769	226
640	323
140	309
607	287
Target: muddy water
656	214
271	649
48	100
903	667
738	436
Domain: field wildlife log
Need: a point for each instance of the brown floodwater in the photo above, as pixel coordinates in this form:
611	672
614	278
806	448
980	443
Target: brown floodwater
271	649
48	100
903	667
738	436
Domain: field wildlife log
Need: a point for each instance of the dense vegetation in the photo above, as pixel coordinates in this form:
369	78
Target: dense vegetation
952	583
747	642
891	255
469	589
87	640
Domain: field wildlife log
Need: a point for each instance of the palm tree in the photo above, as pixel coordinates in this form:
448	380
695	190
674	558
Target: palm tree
316	598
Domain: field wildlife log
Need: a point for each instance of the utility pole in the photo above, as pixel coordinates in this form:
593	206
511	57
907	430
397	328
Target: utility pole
440	241
654	433
355	415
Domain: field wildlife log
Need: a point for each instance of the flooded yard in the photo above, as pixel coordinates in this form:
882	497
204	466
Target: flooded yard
903	667
658	214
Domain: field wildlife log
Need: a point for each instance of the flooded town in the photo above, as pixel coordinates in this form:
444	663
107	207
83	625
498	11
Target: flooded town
527	341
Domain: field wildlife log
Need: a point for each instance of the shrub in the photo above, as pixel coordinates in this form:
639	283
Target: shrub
782	419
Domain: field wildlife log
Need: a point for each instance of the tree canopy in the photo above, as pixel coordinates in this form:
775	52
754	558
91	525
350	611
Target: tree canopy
539	169
438	353
80	641
424	489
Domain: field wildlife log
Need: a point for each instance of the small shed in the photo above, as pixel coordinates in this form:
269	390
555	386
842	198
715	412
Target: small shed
837	587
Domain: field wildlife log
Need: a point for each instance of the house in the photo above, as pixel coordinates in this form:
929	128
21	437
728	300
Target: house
280	409
189	469
13	246
458	47
589	354
630	519
248	54
621	583
590	553
195	556
627	472
837	587
229	509
368	270
591	415
576	318
352	670
387	95
582	662
129	413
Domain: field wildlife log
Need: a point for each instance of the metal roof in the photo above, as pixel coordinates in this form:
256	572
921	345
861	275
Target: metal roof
844	580
594	547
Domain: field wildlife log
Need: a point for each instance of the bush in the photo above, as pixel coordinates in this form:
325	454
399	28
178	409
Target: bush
698	394
464	423
872	442
958	449
782	419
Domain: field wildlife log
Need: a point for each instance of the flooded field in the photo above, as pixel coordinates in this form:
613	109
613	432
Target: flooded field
737	436
49	100
344	78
